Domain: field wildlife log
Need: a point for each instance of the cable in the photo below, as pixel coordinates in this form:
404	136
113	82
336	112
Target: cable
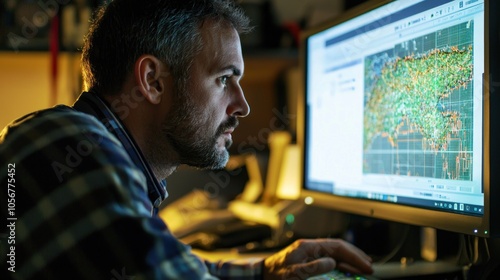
398	246
463	252
481	255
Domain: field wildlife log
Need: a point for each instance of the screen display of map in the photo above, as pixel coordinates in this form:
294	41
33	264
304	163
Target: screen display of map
394	106
418	112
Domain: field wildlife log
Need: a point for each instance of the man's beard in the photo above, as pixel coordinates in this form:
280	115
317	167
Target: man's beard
191	138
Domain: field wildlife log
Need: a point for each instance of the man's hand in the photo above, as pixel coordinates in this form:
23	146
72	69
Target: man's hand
305	258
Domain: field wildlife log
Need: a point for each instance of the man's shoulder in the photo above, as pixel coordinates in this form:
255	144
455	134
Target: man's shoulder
57	121
45	133
61	145
58	115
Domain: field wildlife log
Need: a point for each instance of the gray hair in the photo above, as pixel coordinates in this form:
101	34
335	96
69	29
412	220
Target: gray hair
124	30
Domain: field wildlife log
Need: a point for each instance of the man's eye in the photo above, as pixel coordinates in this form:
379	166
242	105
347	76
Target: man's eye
223	80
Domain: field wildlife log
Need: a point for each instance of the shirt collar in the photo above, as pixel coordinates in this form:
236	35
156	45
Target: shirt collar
92	104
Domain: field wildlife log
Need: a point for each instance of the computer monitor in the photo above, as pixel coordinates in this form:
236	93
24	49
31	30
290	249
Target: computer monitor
401	114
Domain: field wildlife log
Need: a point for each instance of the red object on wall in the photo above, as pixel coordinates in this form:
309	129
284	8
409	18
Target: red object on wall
54	52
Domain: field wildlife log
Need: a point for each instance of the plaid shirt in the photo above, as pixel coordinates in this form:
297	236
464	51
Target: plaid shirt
84	203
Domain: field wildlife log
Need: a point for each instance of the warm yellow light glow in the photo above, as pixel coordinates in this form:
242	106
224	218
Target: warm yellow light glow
25	80
289	177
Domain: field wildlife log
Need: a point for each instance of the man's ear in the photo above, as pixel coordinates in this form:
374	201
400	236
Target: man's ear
149	74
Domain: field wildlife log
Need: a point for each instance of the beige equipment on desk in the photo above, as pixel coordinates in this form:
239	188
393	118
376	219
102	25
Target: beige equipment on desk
280	206
202	209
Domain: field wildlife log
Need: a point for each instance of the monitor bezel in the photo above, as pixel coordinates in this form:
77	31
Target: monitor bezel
483	226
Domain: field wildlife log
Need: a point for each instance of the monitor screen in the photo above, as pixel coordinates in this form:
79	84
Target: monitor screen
397	113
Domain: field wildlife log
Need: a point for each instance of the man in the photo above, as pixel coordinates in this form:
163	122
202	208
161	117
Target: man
162	81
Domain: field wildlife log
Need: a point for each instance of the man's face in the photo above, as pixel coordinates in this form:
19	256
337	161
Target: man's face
203	116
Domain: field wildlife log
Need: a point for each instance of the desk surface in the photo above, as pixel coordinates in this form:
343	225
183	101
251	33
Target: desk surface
382	271
228	254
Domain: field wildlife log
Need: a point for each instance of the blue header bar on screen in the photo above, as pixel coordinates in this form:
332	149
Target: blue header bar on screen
412	10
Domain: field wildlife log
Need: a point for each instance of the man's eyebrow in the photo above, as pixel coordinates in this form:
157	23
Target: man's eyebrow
236	70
